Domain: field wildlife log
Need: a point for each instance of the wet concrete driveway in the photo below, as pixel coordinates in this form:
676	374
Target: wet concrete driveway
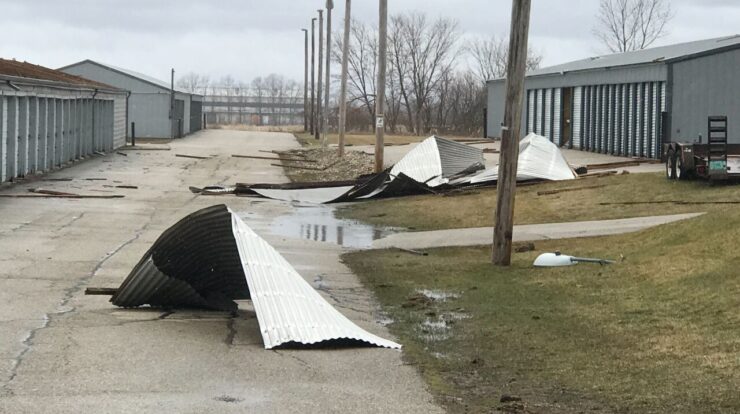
64	352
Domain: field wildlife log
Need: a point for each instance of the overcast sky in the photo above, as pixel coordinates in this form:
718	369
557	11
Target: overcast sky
248	38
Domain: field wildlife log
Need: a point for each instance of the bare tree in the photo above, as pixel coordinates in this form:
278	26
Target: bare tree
429	51
490	56
362	66
626	25
193	83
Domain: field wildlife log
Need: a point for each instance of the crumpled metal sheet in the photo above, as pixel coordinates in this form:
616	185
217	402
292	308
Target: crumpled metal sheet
211	258
539	159
436	159
288	308
309	195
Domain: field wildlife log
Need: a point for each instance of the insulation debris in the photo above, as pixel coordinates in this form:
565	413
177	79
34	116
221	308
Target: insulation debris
211	258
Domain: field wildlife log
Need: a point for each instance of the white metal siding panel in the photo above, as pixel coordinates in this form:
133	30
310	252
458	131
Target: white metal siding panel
557	118
577	117
3	135
12	151
646	120
621	108
530	111
119	127
548	114
23	134
33	139
539	109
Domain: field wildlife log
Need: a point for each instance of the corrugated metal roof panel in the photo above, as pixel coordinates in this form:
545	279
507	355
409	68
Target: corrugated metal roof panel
436	159
641	57
211	257
288	308
538	159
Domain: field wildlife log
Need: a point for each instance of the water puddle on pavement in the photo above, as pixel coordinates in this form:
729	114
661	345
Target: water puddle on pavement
318	223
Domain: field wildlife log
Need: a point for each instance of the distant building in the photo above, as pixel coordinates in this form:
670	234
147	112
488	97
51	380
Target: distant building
630	103
49	118
149	102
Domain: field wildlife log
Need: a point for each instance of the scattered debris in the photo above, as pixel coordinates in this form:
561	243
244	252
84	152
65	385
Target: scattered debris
416	252
197	157
49	192
557	259
279	158
610	165
679	202
96	179
144	148
211	258
101	291
524	247
510	398
78	196
568	189
491	151
122	153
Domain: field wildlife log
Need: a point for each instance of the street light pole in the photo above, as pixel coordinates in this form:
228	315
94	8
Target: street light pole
343	85
313	75
320	112
325	139
510	132
380	92
305	80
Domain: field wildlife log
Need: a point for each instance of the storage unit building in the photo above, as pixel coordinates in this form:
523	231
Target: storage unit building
49	118
149	102
630	103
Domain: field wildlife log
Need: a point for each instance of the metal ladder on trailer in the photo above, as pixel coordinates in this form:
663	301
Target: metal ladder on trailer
717	147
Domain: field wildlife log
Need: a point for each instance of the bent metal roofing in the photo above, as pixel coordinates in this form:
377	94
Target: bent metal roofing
211	258
30	71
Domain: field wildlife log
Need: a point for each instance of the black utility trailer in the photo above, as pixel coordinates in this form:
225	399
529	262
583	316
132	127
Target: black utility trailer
714	160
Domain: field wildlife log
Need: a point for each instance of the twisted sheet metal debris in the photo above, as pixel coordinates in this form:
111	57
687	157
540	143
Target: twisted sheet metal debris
435	165
538	159
211	258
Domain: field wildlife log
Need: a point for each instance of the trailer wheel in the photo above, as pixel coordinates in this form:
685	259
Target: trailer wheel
670	165
680	172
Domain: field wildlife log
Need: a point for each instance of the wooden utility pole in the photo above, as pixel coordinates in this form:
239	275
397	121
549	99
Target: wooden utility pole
510	132
320	112
305	80
380	90
343	86
313	75
325	138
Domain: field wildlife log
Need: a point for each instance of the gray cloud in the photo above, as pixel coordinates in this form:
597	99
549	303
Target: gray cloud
251	38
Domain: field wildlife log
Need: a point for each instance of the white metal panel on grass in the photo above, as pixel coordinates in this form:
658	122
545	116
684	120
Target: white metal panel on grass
539	158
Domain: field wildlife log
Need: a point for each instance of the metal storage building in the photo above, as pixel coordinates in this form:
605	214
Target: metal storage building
149	102
629	103
49	118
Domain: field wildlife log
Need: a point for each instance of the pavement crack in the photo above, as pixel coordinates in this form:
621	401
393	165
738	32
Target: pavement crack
231	333
291	356
63	308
